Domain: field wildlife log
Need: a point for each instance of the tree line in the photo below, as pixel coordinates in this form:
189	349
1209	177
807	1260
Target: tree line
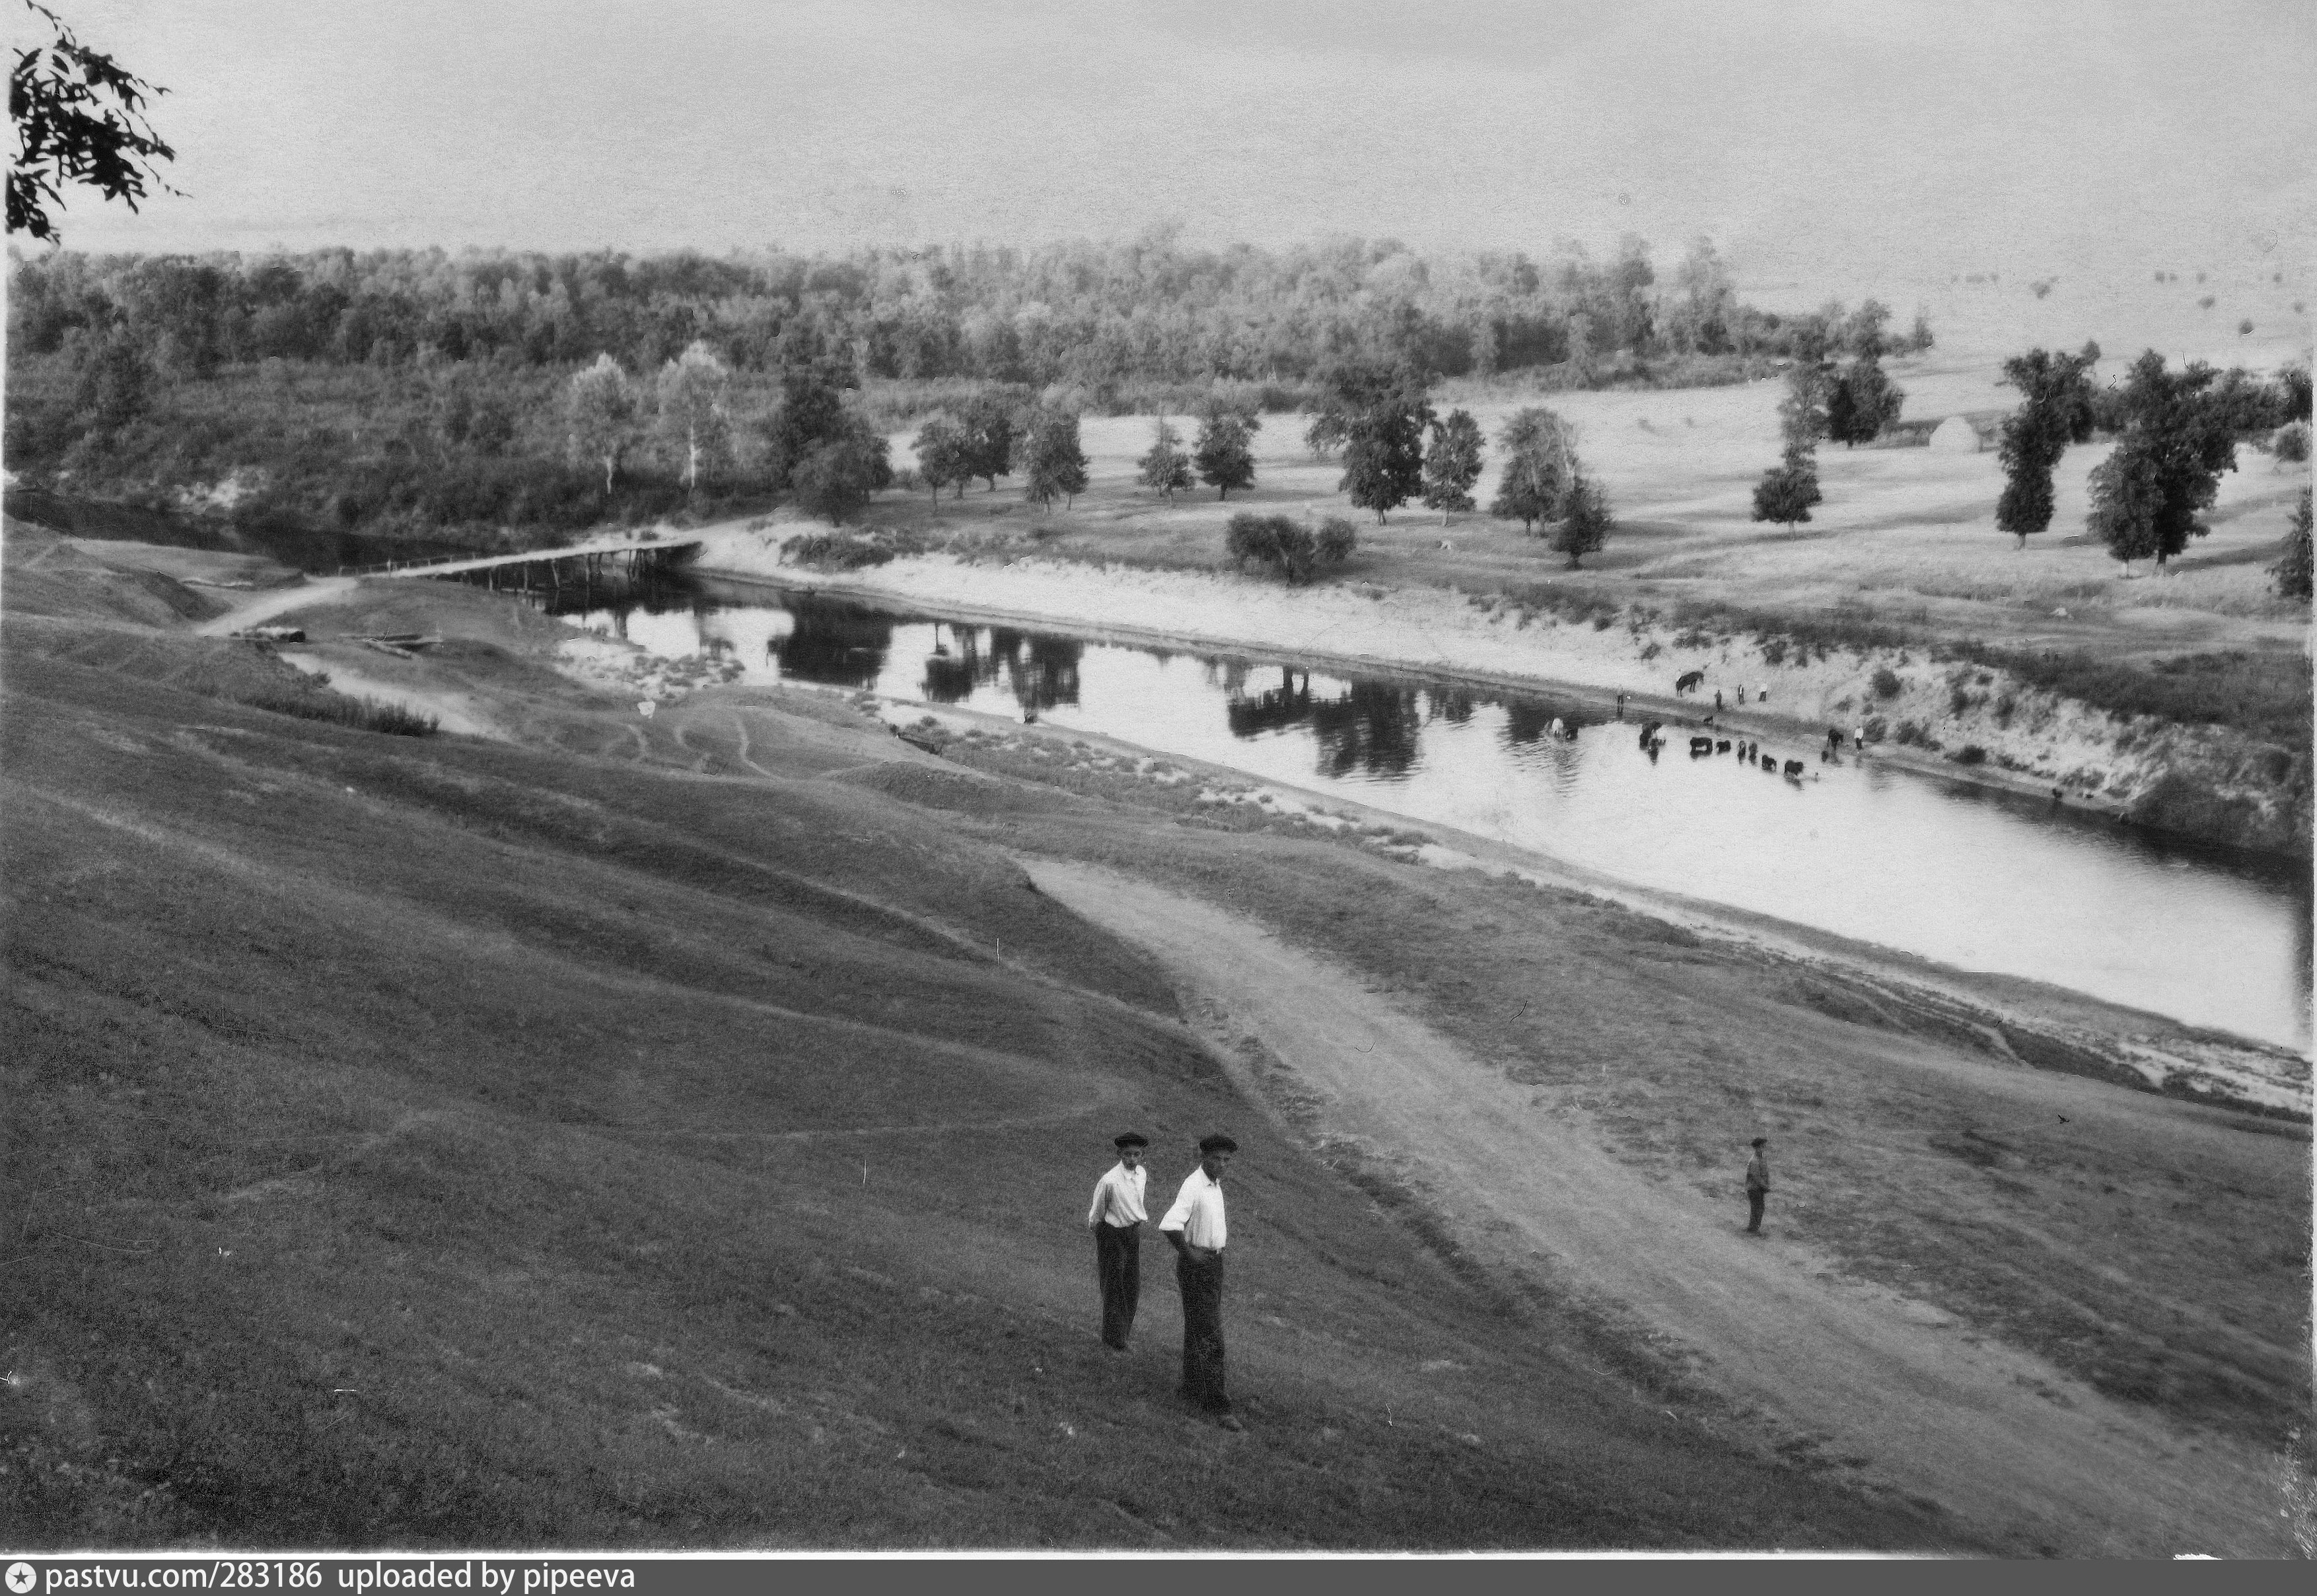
1087	314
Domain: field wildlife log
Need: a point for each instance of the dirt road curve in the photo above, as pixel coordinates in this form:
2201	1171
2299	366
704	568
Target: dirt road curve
263	607
2001	1439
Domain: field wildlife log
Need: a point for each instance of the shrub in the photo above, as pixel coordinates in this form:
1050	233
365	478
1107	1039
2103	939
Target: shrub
316	702
1970	753
836	552
2291	444
1887	684
1773	651
1908	732
1287	545
1958	700
1876	729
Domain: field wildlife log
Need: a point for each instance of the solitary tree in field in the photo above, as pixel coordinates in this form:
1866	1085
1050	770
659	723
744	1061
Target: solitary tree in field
1163	466
1539	461
1056	462
1452	464
1586	521
2291	572
1802	413
1378	411
2055	410
988	423
1787	491
693	416
944	456
1224	450
837	478
1861	401
2166	466
79	117
599	406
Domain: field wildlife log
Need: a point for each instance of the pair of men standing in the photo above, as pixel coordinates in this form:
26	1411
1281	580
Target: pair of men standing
1196	1229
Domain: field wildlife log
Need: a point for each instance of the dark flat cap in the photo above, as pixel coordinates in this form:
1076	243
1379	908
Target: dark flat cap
1217	1143
1761	1141
1132	1138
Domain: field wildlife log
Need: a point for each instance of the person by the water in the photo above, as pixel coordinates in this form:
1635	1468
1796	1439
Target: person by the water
1195	1227
1757	1184
1116	1220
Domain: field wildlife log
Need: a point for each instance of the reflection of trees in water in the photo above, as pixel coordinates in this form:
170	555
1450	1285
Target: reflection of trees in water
1371	727
836	645
1451	704
1041	671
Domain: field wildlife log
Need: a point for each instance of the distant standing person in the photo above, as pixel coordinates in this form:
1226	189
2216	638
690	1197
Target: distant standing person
1194	1227
1116	1220
1757	1184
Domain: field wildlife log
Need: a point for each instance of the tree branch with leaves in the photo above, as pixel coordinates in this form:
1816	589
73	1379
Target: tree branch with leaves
80	118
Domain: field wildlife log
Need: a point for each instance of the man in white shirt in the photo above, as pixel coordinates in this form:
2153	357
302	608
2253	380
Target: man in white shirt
1194	1227
1116	1220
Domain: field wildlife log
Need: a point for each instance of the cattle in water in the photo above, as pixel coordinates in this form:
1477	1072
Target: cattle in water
1722	746
1688	680
1700	745
1794	767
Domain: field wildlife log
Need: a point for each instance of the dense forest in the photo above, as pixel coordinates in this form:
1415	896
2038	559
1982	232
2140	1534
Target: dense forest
419	393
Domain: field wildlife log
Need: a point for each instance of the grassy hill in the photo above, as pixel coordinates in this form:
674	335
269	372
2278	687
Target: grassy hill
627	1137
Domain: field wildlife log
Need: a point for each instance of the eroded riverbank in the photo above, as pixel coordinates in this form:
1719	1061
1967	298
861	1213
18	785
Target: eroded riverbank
1915	714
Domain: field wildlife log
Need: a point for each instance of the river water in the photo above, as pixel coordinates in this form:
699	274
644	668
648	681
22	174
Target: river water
1952	872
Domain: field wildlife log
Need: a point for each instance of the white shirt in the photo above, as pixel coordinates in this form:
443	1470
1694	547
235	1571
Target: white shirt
1118	1197
1198	1212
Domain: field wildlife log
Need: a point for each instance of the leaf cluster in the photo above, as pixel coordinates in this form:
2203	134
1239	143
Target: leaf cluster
80	118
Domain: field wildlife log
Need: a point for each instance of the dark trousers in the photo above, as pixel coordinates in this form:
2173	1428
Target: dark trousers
1755	1198
1202	1283
1118	1263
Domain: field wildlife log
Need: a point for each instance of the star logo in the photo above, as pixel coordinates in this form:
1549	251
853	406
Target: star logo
21	1578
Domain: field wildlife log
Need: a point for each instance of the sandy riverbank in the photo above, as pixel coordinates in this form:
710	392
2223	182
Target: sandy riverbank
2032	740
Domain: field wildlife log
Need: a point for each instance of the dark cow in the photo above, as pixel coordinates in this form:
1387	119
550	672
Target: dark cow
1700	745
1722	746
1688	680
1796	767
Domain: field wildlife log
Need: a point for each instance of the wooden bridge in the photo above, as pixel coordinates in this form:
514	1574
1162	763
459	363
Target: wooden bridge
543	569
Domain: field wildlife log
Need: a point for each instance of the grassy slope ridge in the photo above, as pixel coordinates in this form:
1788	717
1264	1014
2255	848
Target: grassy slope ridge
445	1142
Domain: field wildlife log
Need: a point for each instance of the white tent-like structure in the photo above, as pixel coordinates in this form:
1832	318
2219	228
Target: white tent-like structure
1955	435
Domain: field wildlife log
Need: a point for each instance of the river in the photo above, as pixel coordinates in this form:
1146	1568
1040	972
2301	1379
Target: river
1948	870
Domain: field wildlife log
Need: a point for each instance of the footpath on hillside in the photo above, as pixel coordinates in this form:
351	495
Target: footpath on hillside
1998	1437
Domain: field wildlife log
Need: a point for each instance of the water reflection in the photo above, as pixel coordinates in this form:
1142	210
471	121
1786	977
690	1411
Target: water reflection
837	646
1995	882
1041	671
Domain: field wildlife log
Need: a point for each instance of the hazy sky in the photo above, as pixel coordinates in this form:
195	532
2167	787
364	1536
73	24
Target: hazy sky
1842	140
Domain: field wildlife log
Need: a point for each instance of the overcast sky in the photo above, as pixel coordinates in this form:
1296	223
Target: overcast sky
1839	141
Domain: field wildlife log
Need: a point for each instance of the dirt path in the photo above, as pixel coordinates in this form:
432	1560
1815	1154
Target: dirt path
280	601
2001	1439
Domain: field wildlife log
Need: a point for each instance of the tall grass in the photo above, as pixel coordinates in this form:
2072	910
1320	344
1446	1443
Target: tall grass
338	708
